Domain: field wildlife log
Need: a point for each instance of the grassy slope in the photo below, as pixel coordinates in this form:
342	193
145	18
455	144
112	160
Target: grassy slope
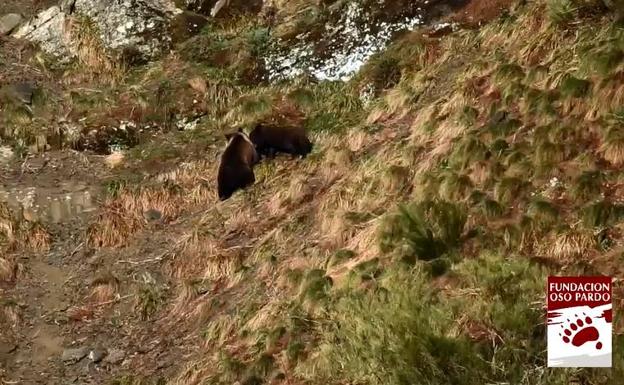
503	143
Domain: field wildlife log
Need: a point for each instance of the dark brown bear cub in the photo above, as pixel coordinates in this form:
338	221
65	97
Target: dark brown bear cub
270	140
236	168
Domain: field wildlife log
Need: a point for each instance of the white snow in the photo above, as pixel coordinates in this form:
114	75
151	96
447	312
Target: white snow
341	64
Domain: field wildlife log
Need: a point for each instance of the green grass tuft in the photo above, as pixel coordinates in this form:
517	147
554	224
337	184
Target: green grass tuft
510	188
601	214
574	87
468	151
588	185
543	212
491	208
314	286
425	230
406	330
454	186
509	73
562	12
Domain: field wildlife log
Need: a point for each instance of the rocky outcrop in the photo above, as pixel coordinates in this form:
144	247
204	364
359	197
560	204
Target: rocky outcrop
47	29
137	26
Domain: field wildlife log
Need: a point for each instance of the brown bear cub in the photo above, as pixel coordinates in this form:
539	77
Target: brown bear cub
270	140
237	161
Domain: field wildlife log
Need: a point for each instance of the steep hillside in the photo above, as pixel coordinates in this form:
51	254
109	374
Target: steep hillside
455	171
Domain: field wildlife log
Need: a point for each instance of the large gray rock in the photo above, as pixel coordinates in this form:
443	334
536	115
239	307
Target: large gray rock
137	26
8	22
115	356
48	30
74	354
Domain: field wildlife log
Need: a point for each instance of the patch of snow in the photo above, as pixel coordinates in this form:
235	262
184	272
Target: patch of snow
187	124
342	64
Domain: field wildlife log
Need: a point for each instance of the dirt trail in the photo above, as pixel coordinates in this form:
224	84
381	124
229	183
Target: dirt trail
58	191
46	339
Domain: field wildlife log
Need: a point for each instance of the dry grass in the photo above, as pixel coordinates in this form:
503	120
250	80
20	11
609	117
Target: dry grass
104	288
37	238
8	270
96	62
123	215
568	246
18	234
10	315
613	146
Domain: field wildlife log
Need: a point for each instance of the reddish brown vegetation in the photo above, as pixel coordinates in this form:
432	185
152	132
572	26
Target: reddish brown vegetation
479	12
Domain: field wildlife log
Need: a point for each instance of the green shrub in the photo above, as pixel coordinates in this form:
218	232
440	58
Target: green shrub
395	335
602	213
314	286
425	230
574	87
468	151
588	184
405	332
562	12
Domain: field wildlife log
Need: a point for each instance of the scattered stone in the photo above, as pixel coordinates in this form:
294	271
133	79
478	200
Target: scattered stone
75	355
94	259
115	356
198	84
7	348
188	123
152	215
96	355
8	23
29	214
6	154
114	159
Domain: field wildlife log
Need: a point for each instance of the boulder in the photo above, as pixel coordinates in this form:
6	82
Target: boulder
48	30
137	26
74	354
8	22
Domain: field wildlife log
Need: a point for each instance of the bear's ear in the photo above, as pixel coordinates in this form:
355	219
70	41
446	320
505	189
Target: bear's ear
228	136
240	129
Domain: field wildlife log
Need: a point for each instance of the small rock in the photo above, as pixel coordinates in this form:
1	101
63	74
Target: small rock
115	159
115	356
217	7
7	348
8	23
67	6
29	214
96	355
94	259
24	92
6	154
152	215
75	355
